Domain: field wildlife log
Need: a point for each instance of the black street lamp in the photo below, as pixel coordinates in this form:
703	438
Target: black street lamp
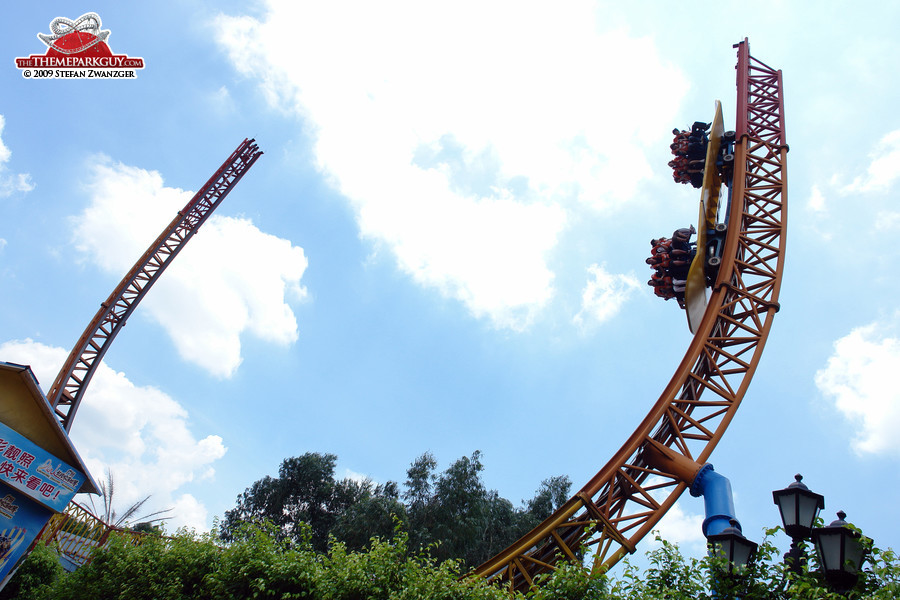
733	546
841	551
799	508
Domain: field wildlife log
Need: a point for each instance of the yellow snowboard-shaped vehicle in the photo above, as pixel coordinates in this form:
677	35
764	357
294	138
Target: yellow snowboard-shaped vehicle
704	158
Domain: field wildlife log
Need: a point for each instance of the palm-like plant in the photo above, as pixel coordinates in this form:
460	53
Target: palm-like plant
111	517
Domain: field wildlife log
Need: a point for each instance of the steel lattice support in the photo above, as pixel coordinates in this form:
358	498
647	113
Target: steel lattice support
624	501
68	389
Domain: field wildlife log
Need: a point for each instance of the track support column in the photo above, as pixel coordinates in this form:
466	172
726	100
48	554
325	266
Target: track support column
718	501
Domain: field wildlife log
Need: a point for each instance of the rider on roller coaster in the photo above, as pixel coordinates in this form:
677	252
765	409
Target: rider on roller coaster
670	260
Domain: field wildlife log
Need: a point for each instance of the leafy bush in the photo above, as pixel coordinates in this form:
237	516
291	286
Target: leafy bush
34	577
261	564
157	569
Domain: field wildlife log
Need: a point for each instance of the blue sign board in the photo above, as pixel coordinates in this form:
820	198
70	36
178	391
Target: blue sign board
21	520
31	470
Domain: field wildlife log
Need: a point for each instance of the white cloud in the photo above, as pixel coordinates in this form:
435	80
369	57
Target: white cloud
221	102
860	379
604	295
682	528
884	168
11	182
229	280
677	525
816	202
357	477
139	433
463	133
186	512
885	220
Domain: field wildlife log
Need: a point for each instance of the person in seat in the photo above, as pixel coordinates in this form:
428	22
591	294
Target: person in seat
681	238
689	148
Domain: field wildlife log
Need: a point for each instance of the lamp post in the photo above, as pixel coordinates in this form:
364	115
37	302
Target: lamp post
799	508
840	548
732	546
841	551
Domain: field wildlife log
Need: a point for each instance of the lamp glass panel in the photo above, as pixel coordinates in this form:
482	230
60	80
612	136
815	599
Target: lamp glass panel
722	549
807	509
742	552
787	505
853	553
828	545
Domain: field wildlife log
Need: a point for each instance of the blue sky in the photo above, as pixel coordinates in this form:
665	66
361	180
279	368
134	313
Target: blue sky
443	247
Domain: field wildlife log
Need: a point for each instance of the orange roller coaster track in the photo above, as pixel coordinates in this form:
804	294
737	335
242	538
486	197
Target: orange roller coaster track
68	389
624	501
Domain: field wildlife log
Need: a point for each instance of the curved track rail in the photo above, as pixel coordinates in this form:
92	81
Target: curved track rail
624	501
68	389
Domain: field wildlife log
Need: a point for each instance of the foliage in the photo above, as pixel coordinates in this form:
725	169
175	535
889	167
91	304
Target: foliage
445	523
158	568
459	518
305	491
259	564
40	570
570	582
451	513
552	494
671	575
372	516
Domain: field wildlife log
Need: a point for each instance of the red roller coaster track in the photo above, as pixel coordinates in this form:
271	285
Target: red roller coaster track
68	389
640	483
623	502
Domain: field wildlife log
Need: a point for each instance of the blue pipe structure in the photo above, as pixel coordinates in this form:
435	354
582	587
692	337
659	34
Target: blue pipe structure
718	500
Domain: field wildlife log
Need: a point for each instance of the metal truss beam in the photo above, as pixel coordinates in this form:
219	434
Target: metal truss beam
622	503
68	389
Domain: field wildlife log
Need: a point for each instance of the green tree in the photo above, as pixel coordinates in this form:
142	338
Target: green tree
35	576
456	512
419	497
258	565
374	515
158	569
452	513
306	491
462	510
553	493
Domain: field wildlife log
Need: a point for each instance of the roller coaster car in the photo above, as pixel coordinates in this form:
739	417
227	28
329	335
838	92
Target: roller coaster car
725	158
715	243
707	224
724	162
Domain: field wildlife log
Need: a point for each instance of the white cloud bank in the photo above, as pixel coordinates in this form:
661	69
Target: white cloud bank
860	379
604	295
11	182
139	433
678	525
884	168
682	528
228	280
462	133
